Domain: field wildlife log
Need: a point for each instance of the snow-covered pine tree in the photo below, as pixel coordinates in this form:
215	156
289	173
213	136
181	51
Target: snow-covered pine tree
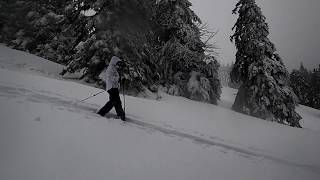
152	47
301	86
31	24
264	92
304	72
183	66
315	88
119	28
16	30
6	29
72	30
167	49
306	85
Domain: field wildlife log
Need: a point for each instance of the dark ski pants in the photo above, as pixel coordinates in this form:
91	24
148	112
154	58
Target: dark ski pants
114	101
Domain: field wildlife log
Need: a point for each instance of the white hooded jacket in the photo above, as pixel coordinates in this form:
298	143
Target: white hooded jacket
112	76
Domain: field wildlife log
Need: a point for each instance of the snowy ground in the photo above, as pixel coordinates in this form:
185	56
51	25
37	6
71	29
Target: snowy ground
47	133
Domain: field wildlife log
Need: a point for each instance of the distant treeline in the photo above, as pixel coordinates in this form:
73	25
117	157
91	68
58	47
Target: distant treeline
305	83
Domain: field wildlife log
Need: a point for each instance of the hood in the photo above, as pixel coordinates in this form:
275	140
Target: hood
114	61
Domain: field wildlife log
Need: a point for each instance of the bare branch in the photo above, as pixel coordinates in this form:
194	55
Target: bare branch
207	36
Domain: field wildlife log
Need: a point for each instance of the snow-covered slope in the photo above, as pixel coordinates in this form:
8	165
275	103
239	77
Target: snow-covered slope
47	133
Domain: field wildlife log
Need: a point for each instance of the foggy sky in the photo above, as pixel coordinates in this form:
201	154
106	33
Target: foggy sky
294	27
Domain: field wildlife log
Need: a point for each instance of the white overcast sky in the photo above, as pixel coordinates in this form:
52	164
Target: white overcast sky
294	27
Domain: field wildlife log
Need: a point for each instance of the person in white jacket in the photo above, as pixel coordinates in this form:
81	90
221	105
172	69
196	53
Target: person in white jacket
112	79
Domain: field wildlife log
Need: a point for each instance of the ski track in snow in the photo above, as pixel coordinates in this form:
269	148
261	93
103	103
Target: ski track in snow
74	105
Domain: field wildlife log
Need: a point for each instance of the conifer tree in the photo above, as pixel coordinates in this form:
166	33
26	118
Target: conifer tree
304	72
159	40
31	24
6	29
315	88
301	86
182	58
16	29
264	92
73	29
118	28
306	85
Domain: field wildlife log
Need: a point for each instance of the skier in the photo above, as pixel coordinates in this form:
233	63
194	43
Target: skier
112	79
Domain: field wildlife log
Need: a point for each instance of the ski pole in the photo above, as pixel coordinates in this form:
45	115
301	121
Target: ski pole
123	88
124	97
92	96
